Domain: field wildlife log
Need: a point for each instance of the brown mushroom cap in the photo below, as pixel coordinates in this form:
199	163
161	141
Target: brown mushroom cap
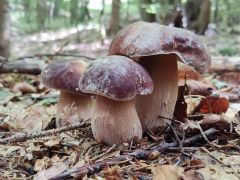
64	75
116	77
147	39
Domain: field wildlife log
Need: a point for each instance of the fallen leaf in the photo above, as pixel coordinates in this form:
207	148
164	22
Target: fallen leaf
167	172
24	88
212	104
196	84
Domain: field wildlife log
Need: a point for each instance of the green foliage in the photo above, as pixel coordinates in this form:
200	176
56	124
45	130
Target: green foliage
49	101
29	16
228	51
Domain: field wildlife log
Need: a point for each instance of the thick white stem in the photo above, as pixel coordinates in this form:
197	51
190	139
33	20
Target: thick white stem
115	122
72	107
164	72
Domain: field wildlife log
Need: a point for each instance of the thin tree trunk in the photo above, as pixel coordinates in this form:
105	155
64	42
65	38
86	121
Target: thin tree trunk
56	8
74	11
4	29
41	14
216	11
115	17
146	16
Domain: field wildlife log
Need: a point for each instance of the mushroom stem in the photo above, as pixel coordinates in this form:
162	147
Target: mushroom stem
71	104
115	122
164	72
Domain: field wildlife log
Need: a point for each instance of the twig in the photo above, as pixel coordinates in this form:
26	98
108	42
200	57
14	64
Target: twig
205	138
28	136
212	156
103	154
177	138
139	154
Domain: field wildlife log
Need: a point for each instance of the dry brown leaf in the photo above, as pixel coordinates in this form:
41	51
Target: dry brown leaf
167	172
213	104
24	88
231	78
196	84
50	172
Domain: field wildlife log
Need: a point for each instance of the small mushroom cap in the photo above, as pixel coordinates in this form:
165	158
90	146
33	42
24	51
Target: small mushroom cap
64	75
116	77
146	39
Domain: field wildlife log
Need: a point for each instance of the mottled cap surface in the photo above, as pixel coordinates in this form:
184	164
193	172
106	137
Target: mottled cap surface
116	77
64	75
146	39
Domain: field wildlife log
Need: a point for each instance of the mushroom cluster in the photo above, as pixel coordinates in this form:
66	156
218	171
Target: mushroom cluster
158	48
135	86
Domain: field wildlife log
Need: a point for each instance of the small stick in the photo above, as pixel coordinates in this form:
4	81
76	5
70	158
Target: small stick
212	156
103	154
28	136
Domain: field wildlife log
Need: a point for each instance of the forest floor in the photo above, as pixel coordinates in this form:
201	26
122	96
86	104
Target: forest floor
204	146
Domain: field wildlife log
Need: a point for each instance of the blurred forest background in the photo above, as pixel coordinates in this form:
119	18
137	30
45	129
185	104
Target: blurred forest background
27	26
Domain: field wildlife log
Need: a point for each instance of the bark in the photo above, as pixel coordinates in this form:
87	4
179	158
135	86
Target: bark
21	67
198	14
74	11
41	14
145	15
4	29
216	11
84	12
224	64
115	17
56	8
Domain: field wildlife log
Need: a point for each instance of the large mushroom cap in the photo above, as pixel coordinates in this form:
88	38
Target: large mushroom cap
116	77
64	75
146	39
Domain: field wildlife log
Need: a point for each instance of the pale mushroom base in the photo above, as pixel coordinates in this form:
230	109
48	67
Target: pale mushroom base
164	72
115	122
72	108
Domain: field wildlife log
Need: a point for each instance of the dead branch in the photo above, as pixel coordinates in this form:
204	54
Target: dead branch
225	64
55	54
28	136
21	67
139	154
32	67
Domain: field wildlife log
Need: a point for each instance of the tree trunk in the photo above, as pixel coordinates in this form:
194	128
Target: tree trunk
198	14
145	15
115	17
216	11
4	29
56	8
41	14
74	11
84	12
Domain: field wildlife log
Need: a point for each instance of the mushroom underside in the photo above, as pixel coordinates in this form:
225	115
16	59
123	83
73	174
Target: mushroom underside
72	108
161	103
115	122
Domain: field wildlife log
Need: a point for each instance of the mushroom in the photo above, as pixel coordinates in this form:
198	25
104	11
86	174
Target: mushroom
64	76
158	48
115	80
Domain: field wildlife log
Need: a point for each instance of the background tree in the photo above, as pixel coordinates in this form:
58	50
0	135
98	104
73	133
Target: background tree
4	29
198	14
114	25
146	15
